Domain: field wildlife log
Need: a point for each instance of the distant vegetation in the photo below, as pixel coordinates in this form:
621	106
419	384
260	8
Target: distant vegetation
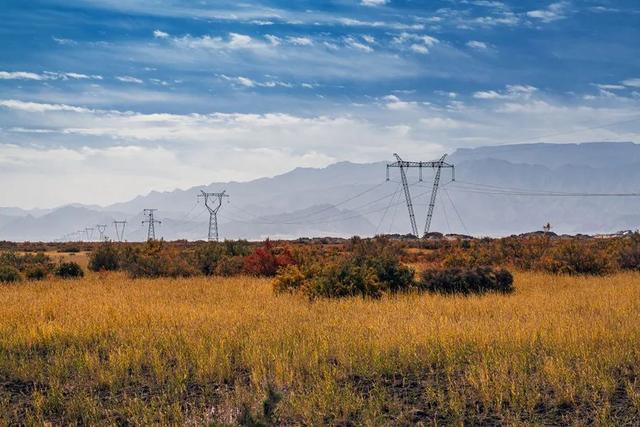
530	329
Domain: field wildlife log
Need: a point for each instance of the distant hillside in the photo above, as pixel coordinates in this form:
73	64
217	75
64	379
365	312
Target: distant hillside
491	196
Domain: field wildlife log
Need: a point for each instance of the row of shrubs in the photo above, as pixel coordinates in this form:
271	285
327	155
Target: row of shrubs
158	259
373	268
368	268
542	253
16	267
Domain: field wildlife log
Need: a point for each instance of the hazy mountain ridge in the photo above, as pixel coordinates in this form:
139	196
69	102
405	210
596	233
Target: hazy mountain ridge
314	202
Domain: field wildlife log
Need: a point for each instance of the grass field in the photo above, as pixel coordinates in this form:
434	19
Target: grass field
107	349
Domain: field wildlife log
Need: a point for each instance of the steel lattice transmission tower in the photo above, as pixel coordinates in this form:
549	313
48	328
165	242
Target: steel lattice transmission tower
213	212
151	232
88	231
101	228
120	233
437	165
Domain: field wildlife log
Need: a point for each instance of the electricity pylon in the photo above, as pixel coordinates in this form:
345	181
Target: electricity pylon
213	212
151	232
89	235
101	228
401	164
120	233
437	165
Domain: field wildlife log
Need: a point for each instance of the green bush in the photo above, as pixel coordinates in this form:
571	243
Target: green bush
156	259
629	254
345	279
9	274
24	262
372	269
69	270
105	258
572	257
475	280
37	272
207	257
230	266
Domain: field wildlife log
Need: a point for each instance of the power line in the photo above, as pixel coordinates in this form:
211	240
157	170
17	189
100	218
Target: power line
456	211
387	210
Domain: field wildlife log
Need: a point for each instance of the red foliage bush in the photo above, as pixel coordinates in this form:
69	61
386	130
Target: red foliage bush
267	259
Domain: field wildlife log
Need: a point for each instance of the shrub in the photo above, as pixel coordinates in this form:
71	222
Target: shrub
208	255
105	258
571	257
289	279
345	279
230	266
9	274
69	270
371	270
37	272
475	280
629	254
25	261
157	260
267	259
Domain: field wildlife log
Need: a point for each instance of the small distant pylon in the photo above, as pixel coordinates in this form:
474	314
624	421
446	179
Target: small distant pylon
88	232
213	213
120	232
101	228
151	232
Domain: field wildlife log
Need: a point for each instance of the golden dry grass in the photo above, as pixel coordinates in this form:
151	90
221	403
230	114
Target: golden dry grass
107	349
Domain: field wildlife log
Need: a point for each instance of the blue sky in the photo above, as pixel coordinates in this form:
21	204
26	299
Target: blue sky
102	100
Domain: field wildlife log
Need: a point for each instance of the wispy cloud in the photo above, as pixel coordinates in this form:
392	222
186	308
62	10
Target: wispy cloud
510	92
159	34
554	12
373	2
47	75
355	44
129	79
300	41
474	44
415	42
631	82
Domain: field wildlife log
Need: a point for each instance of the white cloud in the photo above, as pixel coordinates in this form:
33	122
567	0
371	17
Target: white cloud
234	41
129	79
392	102
159	34
369	39
37	107
300	41
47	75
417	43
373	2
129	153
20	75
474	44
63	42
487	94
511	92
554	12
274	40
609	86
350	22
353	43
631	82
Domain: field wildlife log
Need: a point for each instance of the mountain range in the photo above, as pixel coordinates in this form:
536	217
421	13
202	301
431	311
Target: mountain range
498	190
